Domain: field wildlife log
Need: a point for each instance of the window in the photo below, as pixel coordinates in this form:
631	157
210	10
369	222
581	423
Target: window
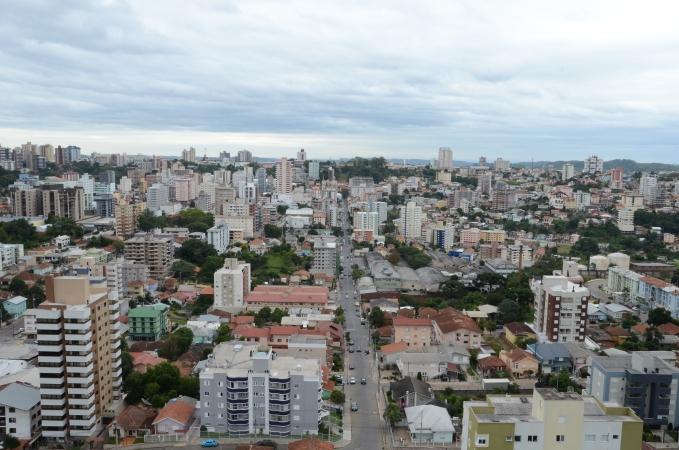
562	419
604	438
615	436
508	438
12	420
517	438
206	393
560	438
533	438
295	418
590	437
482	440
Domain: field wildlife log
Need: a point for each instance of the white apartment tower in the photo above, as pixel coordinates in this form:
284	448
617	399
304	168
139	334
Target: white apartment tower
445	161
410	221
567	172
218	237
325	255
364	220
284	176
648	188
232	284
593	164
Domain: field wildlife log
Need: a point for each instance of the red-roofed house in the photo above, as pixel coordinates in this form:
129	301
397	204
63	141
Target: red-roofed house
279	335
142	361
520	363
489	365
668	329
242	320
133	421
416	333
176	416
396	347
251	334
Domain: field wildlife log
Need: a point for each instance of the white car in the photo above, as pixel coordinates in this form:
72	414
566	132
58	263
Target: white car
352	380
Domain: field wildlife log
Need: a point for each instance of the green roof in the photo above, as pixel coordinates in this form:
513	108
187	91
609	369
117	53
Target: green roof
144	311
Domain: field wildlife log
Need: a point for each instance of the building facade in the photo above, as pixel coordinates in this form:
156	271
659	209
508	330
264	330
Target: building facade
560	309
232	284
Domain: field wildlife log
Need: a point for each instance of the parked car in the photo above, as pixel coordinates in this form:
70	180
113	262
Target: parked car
354	406
352	380
209	443
364	381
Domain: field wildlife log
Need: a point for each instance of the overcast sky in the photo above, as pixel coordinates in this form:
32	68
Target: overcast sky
517	79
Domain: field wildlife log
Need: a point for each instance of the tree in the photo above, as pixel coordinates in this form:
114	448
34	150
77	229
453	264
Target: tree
508	311
393	413
176	344
337	397
209	267
223	334
263	316
273	231
18	286
10	442
147	221
277	315
196	251
376	317
126	364
659	316
183	269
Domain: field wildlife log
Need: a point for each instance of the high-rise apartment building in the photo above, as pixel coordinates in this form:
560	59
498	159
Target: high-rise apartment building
244	156
485	183
445	161
157	196
502	165
78	358
325	255
560	308
625	220
648	188
127	214
548	420
410	220
617	178
301	156
62	201
27	202
189	155
364	220
218	237
284	176
232	284
154	251
245	390
567	172
314	170
593	164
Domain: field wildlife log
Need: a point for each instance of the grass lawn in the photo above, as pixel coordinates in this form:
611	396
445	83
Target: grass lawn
563	250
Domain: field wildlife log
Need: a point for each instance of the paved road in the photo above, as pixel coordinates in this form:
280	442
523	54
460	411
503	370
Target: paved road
366	423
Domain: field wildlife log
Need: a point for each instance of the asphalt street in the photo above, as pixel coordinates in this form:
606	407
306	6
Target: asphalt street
366	423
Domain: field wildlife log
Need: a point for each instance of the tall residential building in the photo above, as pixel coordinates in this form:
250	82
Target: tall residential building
314	170
78	363
617	178
593	164
364	220
645	381
567	172
62	201
445	161
245	390
120	273
284	176
125	185
485	183
648	188
218	237
380	208
625	220
244	156
361	186
260	180
157	196
232	284
301	156
127	215
548	420
154	251
410	220
560	309
502	165
27	202
325	255
189	155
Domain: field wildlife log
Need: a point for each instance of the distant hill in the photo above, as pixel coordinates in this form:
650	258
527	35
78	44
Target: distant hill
628	165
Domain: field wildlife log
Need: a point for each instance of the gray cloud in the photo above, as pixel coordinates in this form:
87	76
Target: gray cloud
513	79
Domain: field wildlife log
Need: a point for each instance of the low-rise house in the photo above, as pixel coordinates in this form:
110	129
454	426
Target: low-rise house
133	421
619	334
15	306
429	424
520	363
142	361
490	365
20	411
410	391
176	416
518	330
615	311
148	323
415	332
252	334
451	327
595	314
553	357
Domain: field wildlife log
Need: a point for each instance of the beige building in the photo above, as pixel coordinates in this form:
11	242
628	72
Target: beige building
79	357
416	333
232	284
63	201
520	363
27	202
127	215
493	236
548	420
155	251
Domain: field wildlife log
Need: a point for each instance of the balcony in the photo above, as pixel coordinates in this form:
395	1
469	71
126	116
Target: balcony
51	369
79	359
87	432
50	359
80	369
50	380
115	344
117	382
86	412
48	422
56	433
53	391
52	402
49	337
81	401
48	327
78	326
81	337
117	354
84	347
85	422
118	373
89	390
81	378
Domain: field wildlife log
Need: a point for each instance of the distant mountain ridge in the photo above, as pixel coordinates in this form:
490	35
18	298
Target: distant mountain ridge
628	165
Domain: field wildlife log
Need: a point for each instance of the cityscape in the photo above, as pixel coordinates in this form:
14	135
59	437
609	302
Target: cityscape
364	226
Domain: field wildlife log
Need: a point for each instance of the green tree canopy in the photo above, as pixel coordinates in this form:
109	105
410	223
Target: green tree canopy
196	251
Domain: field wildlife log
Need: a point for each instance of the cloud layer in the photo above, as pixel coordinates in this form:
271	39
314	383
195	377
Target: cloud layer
515	79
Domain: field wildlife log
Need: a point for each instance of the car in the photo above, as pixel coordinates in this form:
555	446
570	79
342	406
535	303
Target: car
354	406
367	352
364	381
351	350
352	380
358	350
209	443
267	443
351	367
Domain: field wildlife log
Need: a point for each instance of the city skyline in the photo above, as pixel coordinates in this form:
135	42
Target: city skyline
517	81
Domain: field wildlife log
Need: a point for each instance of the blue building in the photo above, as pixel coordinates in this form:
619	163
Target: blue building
554	357
15	306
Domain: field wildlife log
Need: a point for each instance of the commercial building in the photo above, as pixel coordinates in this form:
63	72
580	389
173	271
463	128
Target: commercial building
560	309
79	358
647	382
548	420
218	237
232	284
325	255
245	390
156	252
148	323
